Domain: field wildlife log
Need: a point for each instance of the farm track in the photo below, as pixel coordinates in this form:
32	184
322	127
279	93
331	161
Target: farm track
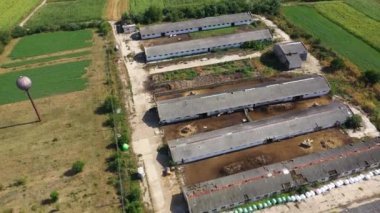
115	9
32	13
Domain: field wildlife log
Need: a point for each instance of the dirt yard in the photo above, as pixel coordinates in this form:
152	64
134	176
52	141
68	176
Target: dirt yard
261	155
185	129
37	157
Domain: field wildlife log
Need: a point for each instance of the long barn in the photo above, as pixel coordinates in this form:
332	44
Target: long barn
242	136
191	107
228	192
205	45
176	28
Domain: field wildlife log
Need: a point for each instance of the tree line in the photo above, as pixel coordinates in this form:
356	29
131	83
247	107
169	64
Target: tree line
156	14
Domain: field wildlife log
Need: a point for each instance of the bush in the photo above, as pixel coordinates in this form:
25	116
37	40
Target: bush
337	64
353	122
371	77
77	167
54	196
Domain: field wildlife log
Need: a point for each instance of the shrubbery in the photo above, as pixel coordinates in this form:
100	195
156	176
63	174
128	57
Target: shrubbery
54	196
77	167
353	122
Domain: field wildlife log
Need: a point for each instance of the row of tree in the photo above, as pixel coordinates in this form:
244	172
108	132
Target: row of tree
157	14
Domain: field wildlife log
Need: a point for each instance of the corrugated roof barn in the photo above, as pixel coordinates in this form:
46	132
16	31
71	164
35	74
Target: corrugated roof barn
183	26
230	191
189	107
217	142
197	46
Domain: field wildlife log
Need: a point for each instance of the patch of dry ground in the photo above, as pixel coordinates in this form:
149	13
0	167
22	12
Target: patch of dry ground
42	153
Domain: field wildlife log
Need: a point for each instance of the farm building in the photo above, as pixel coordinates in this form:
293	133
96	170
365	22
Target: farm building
234	190
176	28
191	107
291	54
198	46
242	136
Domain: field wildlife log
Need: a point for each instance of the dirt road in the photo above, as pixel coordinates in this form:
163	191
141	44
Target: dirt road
115	9
32	13
145	137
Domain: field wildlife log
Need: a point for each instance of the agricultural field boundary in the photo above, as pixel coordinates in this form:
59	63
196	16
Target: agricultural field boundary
351	20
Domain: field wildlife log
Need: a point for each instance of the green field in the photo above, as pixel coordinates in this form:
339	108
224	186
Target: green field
47	43
12	11
43	60
217	32
369	7
353	21
47	81
64	12
139	6
333	36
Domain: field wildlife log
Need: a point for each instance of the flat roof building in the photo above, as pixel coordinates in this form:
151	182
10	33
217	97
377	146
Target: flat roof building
291	54
234	190
176	28
230	139
195	106
198	46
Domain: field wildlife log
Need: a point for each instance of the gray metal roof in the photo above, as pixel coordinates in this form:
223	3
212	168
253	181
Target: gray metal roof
292	51
198	104
173	26
237	188
208	144
210	42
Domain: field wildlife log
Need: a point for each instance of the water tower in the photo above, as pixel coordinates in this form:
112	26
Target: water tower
24	83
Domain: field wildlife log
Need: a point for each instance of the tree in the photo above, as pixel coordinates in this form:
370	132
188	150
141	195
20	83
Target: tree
153	14
337	64
104	28
353	122
54	196
77	167
5	37
371	77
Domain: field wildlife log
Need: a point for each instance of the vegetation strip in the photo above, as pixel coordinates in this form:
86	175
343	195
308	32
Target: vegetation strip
369	7
46	43
43	60
49	80
332	35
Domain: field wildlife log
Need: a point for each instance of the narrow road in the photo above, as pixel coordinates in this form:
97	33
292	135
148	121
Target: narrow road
32	13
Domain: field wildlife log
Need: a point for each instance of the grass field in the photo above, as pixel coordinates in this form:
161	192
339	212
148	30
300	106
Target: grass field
369	7
353	21
139	6
217	32
47	81
46	43
64	12
333	36
43	60
12	11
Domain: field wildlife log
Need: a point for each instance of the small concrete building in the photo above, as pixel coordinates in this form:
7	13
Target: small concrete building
196	106
228	192
176	28
205	45
291	54
246	135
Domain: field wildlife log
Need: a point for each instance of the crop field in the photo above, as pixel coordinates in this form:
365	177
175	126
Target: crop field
369	7
49	80
43	60
12	11
139	6
64	12
46	43
353	21
333	36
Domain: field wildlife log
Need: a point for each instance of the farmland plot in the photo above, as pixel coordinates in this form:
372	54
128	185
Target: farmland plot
49	80
353	21
369	7
46	43
12	11
333	36
65	12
